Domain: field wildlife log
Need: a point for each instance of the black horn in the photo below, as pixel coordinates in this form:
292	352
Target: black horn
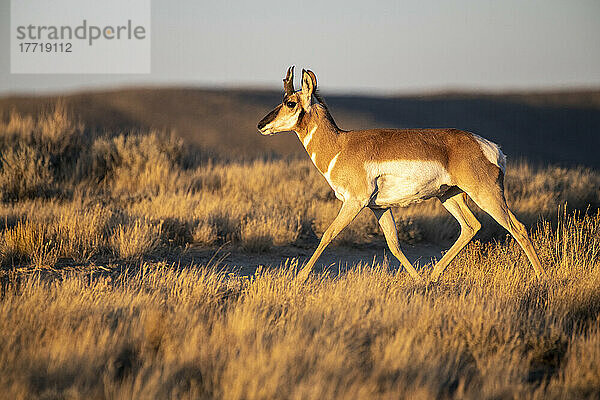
288	82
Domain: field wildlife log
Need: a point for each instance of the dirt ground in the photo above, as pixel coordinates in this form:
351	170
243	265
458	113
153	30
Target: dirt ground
333	258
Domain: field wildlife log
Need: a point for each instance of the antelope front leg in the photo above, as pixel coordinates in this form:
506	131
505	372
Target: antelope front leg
388	226
348	212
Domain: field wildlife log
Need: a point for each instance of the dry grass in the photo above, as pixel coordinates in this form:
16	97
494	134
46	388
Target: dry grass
135	240
488	330
157	330
30	240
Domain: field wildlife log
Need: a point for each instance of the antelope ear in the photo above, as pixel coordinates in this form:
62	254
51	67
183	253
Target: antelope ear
288	81
309	85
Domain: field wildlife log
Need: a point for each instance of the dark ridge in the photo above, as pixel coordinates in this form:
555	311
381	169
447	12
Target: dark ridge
552	127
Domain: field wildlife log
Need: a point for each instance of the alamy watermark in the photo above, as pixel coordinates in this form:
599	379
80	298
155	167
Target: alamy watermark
80	36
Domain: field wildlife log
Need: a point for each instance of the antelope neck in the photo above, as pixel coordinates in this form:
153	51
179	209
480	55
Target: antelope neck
319	136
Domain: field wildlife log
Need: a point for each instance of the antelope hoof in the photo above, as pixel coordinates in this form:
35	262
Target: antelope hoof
302	275
542	276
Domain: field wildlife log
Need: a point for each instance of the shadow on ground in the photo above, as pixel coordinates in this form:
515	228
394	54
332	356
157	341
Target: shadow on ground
333	259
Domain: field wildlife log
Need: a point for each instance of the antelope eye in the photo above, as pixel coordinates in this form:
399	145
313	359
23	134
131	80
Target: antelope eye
291	104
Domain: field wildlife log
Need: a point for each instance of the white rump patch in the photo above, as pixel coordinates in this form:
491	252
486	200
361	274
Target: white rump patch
492	152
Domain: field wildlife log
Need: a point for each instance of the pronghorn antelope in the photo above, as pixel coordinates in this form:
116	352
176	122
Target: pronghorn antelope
384	168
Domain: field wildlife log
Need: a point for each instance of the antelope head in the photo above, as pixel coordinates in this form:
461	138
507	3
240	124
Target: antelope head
295	105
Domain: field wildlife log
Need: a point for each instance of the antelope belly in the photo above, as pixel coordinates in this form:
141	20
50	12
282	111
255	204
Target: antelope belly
401	183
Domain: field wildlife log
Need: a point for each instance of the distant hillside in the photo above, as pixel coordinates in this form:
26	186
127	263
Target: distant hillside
558	127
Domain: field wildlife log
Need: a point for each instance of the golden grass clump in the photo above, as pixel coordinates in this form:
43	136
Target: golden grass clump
137	163
137	239
29	240
259	234
24	173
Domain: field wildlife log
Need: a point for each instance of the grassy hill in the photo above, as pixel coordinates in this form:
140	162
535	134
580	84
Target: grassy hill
545	127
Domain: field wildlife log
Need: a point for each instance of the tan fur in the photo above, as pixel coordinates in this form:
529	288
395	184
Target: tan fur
382	168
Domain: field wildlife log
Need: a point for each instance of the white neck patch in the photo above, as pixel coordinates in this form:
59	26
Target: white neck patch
308	137
327	174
